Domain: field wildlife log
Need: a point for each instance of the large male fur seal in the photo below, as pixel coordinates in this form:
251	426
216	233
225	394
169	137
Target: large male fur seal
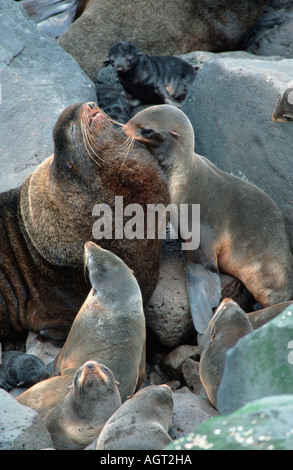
92	399
283	111
151	79
242	231
109	329
45	223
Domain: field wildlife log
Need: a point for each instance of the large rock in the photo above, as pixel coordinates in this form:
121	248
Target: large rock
264	424
38	80
158	27
21	428
260	365
230	106
273	33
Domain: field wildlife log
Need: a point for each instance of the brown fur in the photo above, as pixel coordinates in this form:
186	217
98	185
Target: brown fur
45	223
242	230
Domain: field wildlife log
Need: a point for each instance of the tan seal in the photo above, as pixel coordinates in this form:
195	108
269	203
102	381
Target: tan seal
283	111
227	326
242	230
109	329
45	223
81	415
141	423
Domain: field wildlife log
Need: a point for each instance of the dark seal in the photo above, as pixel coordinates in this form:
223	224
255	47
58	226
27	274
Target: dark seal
151	79
18	368
45	223
283	111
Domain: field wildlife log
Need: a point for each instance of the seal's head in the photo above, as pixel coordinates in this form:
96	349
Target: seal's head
93	380
81	133
284	109
167	133
123	56
109	275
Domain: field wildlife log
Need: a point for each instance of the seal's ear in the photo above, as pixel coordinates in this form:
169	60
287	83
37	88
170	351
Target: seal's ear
107	62
175	134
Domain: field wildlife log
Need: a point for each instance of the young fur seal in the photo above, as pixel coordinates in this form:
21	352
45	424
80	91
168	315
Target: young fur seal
284	109
18	368
151	79
227	326
45	223
242	230
109	329
92	399
141	423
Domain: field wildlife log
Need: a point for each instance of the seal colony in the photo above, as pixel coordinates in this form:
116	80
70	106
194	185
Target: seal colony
243	231
45	223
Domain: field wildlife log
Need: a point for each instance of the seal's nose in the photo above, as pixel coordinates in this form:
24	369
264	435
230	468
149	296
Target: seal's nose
92	105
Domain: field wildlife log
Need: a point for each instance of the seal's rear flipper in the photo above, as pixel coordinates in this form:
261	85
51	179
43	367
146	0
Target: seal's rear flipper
204	294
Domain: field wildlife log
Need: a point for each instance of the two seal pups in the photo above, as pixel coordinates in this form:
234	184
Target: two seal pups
151	79
242	230
109	329
45	223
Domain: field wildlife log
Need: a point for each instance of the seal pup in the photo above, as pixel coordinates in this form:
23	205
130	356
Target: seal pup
45	223
113	103
227	326
242	230
23	369
283	111
141	423
80	416
151	79
109	328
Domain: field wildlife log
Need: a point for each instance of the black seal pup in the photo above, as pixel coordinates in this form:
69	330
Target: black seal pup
151	79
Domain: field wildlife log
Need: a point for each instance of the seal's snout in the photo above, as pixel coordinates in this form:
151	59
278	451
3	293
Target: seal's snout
92	105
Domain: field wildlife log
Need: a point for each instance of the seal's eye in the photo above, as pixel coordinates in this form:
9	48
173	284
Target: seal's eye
146	131
287	118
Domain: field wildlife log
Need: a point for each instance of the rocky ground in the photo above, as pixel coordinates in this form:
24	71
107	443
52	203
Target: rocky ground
230	106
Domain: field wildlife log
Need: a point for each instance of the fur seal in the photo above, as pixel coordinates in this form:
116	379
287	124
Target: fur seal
227	326
109	329
45	223
80	416
242	230
151	79
113	103
19	368
283	111
141	423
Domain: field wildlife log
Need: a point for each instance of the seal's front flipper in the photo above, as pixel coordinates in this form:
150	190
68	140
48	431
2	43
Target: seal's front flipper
204	294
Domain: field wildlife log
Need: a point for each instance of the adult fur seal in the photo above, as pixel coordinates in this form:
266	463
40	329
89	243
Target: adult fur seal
45	223
92	399
227	326
141	423
242	230
151	79
109	328
283	112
